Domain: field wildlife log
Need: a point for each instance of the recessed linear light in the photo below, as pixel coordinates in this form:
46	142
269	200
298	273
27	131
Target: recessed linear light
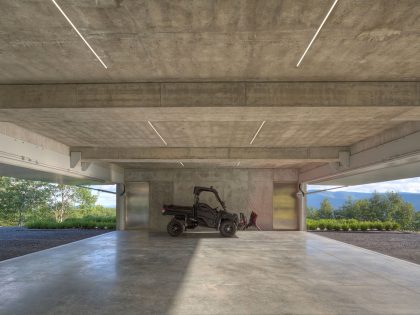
153	127
78	33
258	131
181	163
316	34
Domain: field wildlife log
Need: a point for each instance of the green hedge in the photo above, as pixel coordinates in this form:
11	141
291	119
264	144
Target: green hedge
350	225
88	222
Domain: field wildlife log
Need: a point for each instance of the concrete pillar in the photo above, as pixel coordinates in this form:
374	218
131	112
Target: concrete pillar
121	207
301	199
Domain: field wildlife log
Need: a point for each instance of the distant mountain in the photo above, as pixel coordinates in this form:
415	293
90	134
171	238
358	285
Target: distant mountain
337	198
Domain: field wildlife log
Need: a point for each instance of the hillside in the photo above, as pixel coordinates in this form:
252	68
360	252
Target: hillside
337	198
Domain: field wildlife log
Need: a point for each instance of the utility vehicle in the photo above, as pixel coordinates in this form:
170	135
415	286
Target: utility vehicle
201	214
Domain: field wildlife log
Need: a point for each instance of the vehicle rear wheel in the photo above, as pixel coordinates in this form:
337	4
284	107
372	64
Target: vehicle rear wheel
228	228
175	228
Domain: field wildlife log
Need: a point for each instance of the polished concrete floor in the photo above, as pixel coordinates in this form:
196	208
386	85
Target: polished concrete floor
255	273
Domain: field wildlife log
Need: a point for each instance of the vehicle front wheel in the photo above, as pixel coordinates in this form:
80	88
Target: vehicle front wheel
175	228
228	228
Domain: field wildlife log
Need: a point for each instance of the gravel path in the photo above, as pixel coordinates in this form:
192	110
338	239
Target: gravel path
397	244
16	241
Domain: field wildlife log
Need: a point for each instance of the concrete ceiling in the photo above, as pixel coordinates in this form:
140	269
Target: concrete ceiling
209	41
212	72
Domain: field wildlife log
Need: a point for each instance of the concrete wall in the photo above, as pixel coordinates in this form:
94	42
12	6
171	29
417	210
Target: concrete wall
243	190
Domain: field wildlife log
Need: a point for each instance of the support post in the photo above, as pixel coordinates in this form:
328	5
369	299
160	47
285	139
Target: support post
302	207
121	207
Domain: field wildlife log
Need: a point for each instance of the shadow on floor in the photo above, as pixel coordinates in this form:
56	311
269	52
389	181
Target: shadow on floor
117	273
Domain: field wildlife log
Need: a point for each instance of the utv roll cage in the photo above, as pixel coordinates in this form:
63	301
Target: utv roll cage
198	190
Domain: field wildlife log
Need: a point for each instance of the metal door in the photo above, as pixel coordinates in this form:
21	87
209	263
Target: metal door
285	216
137	205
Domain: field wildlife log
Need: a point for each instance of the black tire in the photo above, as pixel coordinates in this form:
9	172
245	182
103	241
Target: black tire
175	228
228	228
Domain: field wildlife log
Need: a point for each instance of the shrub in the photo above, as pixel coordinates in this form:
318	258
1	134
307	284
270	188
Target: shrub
364	226
352	221
41	224
329	225
88	222
395	226
345	226
379	226
354	226
388	226
336	226
311	225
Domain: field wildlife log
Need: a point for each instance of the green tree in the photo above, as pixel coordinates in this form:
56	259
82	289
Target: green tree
85	200
379	208
417	221
400	211
68	199
312	213
347	209
22	199
361	210
326	210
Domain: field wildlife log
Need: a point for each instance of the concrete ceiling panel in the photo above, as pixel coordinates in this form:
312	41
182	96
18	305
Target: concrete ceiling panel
202	40
115	134
323	133
208	127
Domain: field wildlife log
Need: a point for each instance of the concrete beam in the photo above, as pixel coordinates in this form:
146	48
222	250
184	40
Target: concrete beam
75	158
402	130
242	94
312	154
404	151
23	159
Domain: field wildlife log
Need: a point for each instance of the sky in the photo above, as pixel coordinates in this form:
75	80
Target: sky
105	199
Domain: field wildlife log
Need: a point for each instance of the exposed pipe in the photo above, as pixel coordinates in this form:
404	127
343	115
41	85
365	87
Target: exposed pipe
328	189
100	190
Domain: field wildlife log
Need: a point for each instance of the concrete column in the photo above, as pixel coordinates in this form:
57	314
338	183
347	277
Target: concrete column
301	199
121	208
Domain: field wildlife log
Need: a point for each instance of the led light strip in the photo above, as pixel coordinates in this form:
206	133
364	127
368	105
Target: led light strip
316	34
153	127
258	131
78	33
